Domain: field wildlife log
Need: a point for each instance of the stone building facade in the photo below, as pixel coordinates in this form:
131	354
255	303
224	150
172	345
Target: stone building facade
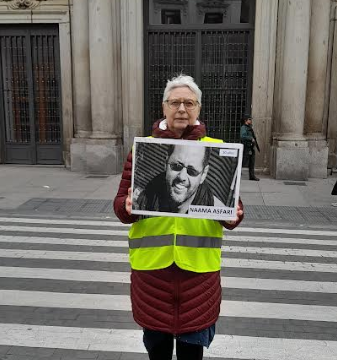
102	72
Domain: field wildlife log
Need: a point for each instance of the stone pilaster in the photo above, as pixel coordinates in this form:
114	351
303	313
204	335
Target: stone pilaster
332	119
316	85
81	66
132	71
81	87
102	75
117	66
317	66
103	151
263	76
290	148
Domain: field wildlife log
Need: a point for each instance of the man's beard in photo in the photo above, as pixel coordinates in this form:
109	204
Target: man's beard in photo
179	198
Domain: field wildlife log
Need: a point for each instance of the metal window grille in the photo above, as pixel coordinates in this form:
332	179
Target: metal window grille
224	81
46	89
169	53
15	89
220	62
30	101
219	55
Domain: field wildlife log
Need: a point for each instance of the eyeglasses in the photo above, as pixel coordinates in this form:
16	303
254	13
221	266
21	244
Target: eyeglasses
191	171
174	104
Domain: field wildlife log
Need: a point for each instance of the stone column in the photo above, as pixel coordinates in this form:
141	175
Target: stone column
66	87
101	69
332	119
316	85
104	150
81	66
264	76
81	84
291	154
132	71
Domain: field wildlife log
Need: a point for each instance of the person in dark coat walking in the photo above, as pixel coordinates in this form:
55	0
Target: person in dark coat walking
248	139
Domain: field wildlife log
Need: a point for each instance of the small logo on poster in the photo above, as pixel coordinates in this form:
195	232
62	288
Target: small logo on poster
228	152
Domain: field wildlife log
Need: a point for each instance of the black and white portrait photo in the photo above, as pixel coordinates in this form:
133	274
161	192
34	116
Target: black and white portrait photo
186	179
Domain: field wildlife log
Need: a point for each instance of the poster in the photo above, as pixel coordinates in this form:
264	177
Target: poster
182	178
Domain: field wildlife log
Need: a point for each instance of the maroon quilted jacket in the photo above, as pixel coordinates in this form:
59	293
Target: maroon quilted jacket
171	300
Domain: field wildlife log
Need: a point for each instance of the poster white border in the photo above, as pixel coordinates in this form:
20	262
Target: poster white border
214	213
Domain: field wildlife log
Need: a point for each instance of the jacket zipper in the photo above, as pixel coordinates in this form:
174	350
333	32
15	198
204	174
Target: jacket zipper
176	301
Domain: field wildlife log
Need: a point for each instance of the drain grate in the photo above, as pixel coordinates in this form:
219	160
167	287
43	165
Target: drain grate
298	183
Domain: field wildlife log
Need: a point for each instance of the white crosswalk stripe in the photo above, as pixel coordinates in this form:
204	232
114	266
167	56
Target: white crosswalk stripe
122	303
123	258
124	278
293	284
75	229
281	240
224	346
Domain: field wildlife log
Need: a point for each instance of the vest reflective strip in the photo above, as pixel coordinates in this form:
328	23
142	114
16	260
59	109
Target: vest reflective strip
152	241
182	240
199	241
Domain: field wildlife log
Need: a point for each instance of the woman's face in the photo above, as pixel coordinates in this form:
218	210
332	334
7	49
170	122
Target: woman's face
181	109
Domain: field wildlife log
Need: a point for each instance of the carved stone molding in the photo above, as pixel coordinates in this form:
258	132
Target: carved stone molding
171	4
22	4
213	6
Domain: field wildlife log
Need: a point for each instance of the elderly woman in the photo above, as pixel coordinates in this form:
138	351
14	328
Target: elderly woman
176	288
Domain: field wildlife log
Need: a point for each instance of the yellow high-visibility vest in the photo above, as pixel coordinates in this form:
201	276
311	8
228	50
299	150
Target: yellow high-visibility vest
192	244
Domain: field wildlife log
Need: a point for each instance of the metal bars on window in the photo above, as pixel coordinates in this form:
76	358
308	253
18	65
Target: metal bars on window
170	53
224	81
15	89
220	62
30	98
46	89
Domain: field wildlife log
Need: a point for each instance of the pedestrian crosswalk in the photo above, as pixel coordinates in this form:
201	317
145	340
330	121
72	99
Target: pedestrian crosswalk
64	289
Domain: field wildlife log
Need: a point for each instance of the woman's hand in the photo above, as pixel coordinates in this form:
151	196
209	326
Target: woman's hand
128	202
239	213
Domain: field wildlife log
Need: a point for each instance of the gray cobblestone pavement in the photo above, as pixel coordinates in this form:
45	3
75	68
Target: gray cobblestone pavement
57	191
103	208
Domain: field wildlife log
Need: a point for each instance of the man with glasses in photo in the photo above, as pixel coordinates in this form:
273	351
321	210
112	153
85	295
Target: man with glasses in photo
183	183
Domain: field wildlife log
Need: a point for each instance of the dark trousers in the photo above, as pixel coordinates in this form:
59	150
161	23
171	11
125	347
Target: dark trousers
185	351
249	161
334	190
251	165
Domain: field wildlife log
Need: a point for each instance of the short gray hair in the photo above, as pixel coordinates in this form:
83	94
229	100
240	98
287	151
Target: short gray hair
182	81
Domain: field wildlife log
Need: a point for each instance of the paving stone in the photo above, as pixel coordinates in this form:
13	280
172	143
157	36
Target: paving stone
28	351
4	349
134	356
21	357
66	354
